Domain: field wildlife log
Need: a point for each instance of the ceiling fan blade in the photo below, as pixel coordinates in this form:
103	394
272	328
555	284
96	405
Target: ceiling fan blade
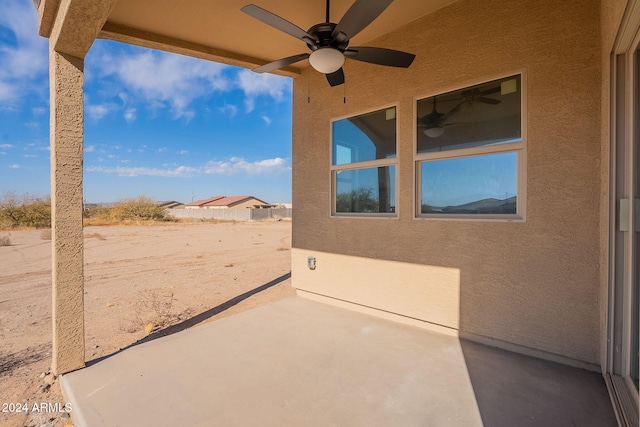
336	78
488	100
380	56
453	110
279	23
360	14
281	63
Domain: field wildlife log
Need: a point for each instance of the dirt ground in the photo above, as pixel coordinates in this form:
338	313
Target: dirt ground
139	280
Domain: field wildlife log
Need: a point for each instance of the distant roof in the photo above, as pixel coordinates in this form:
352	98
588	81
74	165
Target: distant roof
224	201
232	200
204	201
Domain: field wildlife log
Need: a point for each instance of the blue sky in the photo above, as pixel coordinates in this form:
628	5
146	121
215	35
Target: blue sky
156	124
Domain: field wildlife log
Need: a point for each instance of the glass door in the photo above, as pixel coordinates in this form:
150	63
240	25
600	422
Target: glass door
624	297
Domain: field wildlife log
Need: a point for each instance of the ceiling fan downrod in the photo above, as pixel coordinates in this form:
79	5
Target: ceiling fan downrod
327	20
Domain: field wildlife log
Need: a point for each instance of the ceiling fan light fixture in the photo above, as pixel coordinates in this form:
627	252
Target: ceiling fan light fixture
434	131
326	60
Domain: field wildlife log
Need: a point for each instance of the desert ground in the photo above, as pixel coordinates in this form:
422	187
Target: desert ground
140	282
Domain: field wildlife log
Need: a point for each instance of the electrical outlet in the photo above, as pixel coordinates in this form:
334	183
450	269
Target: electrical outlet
311	263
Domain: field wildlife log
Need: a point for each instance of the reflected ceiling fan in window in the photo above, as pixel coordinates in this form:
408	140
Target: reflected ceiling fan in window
329	42
433	124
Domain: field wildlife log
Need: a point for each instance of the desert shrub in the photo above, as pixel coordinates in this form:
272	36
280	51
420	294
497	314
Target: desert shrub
358	200
5	241
136	209
24	211
154	310
95	211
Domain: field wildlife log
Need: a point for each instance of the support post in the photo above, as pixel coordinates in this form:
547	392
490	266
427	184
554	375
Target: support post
67	128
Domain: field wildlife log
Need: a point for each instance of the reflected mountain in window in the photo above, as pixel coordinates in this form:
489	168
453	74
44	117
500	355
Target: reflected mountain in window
484	206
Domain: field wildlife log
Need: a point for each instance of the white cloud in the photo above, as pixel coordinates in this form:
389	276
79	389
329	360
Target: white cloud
232	166
30	156
7	92
162	79
267	120
130	115
14	166
183	152
254	85
89	148
229	109
237	164
99	111
189	115
180	171
6	145
249	104
25	64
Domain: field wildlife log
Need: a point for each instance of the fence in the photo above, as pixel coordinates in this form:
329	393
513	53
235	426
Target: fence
240	214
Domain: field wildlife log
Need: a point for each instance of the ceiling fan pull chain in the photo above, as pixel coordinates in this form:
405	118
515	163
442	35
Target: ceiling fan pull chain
308	92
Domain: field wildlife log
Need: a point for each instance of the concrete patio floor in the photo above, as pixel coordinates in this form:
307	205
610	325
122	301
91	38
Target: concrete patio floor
303	363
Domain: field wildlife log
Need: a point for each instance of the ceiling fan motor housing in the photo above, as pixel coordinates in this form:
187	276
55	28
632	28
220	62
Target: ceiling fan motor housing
323	33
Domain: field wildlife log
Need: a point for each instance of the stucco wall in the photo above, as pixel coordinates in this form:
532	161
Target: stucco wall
534	283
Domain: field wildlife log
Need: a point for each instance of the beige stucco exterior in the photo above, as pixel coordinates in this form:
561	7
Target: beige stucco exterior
535	283
66	199
538	285
71	35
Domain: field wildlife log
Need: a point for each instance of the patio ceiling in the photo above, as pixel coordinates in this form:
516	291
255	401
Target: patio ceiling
220	29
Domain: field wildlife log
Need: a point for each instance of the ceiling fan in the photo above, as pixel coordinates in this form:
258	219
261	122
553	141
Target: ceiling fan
435	122
329	42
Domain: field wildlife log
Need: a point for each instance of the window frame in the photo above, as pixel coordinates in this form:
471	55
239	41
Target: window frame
367	164
519	148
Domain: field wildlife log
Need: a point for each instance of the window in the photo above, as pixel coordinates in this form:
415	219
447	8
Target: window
363	164
470	152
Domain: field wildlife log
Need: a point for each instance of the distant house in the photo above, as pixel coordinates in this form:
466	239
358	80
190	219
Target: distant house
199	204
228	202
172	204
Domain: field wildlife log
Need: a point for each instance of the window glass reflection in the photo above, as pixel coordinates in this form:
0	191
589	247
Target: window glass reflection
370	136
485	114
485	184
368	190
